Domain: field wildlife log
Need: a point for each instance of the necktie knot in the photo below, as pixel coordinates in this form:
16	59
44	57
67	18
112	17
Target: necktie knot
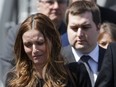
85	58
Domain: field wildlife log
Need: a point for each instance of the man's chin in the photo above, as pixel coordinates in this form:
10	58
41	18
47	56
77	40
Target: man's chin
55	18
80	47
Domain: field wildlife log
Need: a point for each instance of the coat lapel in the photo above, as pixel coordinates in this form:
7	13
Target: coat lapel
68	55
101	57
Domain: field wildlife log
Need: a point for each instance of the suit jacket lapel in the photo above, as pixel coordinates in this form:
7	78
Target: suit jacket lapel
67	53
101	56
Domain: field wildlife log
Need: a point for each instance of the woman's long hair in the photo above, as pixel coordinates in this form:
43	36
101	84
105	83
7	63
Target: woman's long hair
25	74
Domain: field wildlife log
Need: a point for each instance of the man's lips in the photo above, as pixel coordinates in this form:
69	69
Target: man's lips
80	41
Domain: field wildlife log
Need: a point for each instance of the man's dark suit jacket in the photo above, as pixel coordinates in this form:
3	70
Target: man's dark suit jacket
69	56
107	75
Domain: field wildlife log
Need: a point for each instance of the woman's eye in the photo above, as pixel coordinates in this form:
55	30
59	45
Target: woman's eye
28	44
40	42
103	43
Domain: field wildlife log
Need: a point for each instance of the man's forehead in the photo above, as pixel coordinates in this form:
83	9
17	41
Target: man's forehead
84	0
85	17
54	0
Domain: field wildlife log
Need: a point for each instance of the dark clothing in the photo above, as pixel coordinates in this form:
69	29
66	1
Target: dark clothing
78	72
64	40
69	58
107	75
107	15
62	29
63	32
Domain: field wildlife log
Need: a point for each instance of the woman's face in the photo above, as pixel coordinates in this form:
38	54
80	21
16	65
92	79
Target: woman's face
105	40
35	47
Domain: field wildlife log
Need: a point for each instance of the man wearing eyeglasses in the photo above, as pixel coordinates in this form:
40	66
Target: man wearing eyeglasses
55	10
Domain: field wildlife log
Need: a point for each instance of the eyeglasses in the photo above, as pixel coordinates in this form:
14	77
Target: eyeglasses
52	1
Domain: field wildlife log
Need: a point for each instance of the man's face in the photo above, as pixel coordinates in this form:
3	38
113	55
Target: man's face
54	9
82	32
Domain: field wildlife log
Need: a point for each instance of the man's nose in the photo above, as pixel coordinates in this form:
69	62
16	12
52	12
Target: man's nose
79	32
56	4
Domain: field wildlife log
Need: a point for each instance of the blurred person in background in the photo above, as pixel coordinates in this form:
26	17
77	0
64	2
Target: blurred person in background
107	34
54	9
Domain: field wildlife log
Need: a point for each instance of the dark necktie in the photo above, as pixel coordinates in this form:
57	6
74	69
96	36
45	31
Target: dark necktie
85	59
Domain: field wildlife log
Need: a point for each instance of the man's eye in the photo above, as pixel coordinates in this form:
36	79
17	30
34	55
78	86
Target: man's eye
85	27
74	28
62	1
50	2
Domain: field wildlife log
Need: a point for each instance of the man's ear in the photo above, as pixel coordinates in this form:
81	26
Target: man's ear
38	5
98	26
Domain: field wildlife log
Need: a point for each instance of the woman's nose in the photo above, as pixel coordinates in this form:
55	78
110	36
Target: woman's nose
34	49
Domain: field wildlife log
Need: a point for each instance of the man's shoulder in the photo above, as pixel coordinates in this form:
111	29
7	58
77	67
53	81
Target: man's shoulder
66	49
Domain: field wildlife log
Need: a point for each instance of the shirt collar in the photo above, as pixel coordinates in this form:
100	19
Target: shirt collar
93	54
